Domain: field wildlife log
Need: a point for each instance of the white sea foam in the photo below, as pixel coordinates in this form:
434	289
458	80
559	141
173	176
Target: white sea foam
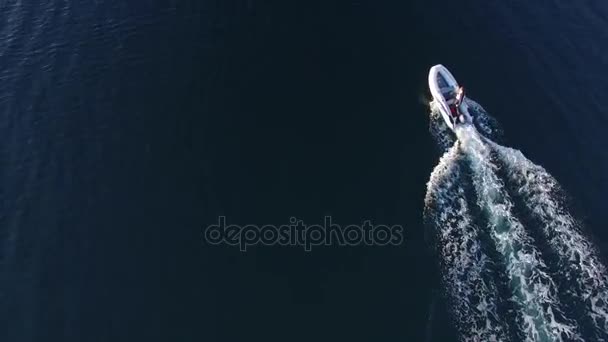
486	124
579	264
534	291
439	130
578	270
471	289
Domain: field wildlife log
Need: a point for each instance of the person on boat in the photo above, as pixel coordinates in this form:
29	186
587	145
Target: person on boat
459	96
454	105
454	110
457	102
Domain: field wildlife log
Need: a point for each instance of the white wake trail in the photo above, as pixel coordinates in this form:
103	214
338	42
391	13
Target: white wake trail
472	292
439	130
579	262
486	124
534	292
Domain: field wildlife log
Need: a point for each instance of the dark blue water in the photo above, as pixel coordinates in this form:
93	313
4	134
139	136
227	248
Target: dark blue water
128	127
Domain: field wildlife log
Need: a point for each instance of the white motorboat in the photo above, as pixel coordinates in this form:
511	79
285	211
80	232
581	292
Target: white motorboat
448	97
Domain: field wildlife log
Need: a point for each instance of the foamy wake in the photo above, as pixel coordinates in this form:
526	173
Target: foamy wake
569	264
471	289
486	124
534	292
579	267
439	130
